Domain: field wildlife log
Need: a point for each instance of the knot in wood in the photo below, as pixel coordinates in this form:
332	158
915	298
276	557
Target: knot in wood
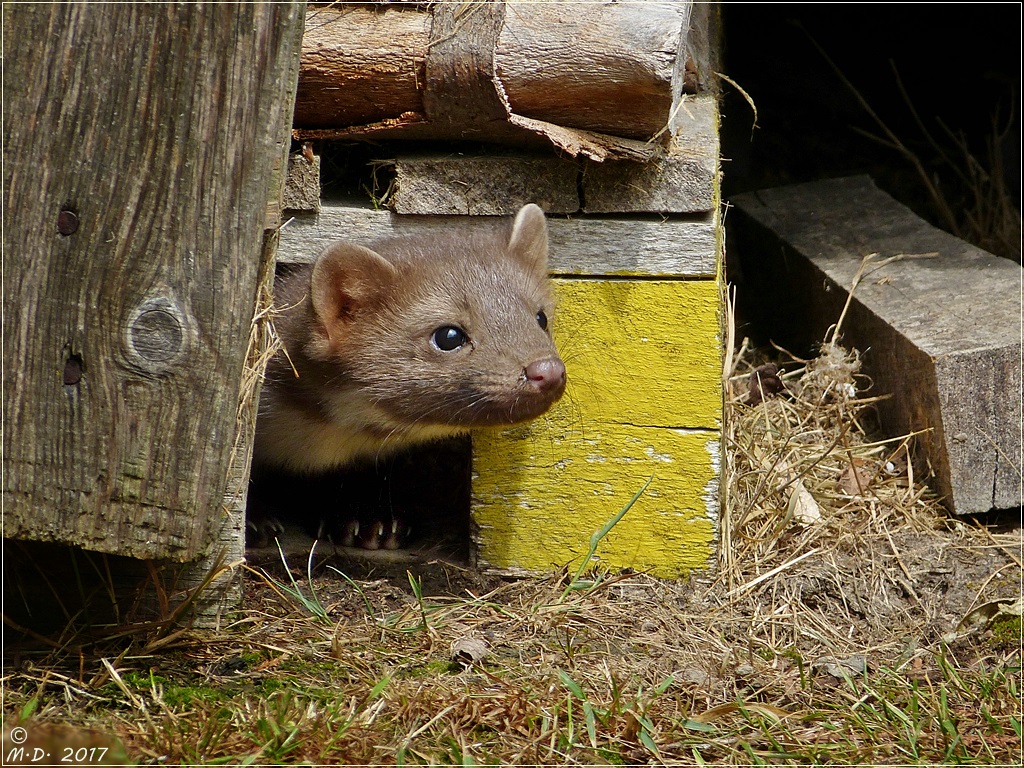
157	334
72	370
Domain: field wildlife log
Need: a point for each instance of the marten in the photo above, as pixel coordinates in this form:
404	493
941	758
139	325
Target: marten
402	342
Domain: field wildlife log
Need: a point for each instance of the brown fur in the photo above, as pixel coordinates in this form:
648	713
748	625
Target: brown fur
358	327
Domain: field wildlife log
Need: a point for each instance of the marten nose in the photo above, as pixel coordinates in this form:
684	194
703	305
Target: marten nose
546	375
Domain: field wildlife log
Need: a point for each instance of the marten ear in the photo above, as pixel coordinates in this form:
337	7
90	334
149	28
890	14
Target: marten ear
529	240
346	280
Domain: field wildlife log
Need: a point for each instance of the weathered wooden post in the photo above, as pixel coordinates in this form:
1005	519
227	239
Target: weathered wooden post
145	146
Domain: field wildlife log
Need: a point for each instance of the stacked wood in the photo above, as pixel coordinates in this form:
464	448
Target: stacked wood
681	248
598	80
937	320
638	294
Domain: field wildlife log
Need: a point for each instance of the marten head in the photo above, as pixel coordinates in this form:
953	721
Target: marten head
438	333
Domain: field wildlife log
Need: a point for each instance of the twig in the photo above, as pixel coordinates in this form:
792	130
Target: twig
745	95
772	572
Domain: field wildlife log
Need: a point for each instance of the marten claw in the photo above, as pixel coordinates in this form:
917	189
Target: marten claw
349	536
391	533
396	536
260	532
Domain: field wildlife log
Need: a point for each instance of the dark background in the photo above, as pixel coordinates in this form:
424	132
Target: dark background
959	64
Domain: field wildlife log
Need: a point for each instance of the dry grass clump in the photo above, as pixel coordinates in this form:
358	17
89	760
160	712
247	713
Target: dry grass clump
804	472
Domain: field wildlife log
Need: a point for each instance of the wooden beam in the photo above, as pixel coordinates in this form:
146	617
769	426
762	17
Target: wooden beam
614	68
617	68
683	180
597	81
938	321
679	247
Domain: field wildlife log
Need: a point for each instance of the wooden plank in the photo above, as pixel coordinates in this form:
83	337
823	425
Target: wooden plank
646	351
144	142
541	498
644	400
683	180
938	321
482	185
580	246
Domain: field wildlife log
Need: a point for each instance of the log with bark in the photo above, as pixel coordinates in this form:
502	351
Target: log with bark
598	80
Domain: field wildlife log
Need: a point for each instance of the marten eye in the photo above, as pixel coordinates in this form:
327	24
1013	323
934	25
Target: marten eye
448	338
542	320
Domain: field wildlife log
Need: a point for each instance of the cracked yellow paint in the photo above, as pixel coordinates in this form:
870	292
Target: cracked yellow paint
644	399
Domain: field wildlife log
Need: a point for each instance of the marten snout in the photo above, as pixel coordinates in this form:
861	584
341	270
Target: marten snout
547	376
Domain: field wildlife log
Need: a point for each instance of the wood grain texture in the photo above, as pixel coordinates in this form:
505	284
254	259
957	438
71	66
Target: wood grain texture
644	399
302	185
616	68
361	63
584	246
483	185
704	49
227	555
162	129
939	327
460	92
683	180
642	351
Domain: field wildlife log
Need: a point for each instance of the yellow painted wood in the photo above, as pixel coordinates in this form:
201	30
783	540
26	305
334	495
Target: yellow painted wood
644	399
643	352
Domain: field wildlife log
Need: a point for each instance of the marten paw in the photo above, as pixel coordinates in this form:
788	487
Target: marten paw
262	531
386	533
